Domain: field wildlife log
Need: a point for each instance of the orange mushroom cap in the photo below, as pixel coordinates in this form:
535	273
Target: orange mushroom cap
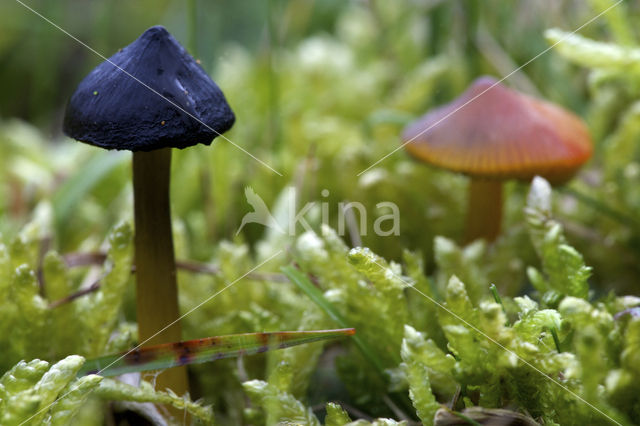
491	131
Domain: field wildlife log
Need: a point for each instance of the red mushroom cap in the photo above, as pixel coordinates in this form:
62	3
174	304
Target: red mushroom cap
491	131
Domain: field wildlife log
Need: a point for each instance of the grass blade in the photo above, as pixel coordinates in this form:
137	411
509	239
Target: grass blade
74	189
301	280
198	351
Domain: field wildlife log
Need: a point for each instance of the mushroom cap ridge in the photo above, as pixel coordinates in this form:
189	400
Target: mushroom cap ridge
501	134
111	110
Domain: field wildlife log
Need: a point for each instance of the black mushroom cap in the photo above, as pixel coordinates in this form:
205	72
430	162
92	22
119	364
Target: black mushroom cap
112	110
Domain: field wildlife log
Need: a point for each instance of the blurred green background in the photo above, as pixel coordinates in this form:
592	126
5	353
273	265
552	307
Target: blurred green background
41	65
321	90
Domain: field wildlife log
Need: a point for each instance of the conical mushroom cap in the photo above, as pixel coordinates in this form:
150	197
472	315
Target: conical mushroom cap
495	132
112	110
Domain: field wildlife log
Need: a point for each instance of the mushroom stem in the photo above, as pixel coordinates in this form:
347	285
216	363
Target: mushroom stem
484	212
157	292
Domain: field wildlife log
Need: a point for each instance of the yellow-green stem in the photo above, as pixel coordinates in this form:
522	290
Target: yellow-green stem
484	212
157	292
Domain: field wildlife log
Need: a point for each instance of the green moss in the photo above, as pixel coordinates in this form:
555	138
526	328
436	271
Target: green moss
428	328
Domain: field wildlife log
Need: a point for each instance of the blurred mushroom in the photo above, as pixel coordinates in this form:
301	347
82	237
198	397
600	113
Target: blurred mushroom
149	97
492	133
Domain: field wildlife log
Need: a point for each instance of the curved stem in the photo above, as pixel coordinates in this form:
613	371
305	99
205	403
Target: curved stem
484	212
157	292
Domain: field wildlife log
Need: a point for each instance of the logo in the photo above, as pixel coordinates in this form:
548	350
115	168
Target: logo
287	219
260	213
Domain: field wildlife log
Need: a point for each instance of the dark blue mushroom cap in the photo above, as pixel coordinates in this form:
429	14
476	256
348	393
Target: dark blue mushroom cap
162	100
